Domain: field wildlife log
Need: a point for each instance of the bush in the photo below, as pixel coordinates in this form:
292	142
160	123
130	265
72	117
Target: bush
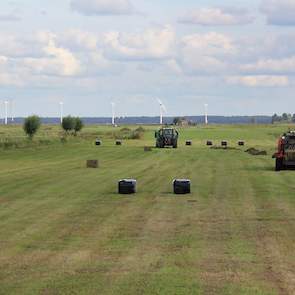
72	124
68	123
78	124
31	125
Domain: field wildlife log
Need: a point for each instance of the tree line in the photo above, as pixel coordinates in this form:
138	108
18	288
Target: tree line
71	125
284	118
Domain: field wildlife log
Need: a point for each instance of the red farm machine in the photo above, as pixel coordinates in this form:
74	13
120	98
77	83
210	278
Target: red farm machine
285	156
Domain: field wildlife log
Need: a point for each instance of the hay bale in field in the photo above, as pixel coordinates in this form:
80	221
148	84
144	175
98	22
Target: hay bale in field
256	152
92	164
98	142
181	186
189	143
209	143
224	143
147	149
118	142
127	186
241	142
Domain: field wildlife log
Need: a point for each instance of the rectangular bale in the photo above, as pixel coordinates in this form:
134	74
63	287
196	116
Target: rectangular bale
147	149
188	143
92	164
127	186
209	143
118	142
241	143
181	186
224	143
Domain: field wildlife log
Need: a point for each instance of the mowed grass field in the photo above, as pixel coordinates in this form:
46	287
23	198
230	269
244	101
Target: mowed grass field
65	230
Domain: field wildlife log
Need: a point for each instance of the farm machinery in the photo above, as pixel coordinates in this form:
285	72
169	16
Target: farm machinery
166	137
285	156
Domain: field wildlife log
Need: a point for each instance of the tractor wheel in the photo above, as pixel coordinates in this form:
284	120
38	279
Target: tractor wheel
279	164
175	146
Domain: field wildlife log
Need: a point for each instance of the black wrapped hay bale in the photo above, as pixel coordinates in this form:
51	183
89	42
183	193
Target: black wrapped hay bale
241	142
98	142
181	186
188	142
92	163
209	143
127	186
118	142
224	143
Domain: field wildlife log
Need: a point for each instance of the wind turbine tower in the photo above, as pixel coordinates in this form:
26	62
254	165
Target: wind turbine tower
113	113
61	105
162	111
206	113
6	112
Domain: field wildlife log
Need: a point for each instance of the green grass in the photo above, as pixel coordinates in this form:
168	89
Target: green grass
65	230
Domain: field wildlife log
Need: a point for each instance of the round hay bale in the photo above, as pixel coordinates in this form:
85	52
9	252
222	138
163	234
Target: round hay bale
98	142
92	164
118	142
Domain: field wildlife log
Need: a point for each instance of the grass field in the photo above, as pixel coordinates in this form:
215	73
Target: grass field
65	230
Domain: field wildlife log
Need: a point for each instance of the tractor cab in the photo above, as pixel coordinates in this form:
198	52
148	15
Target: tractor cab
166	137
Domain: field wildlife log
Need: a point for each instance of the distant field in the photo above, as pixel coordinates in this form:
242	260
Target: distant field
65	230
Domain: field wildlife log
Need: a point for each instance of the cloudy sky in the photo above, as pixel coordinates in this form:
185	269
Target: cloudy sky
237	56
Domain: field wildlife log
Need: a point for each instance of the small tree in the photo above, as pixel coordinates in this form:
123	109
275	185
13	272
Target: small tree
31	125
78	125
68	123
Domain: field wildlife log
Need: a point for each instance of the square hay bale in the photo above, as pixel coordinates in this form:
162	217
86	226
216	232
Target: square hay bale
118	142
188	142
147	149
92	164
241	142
224	143
209	143
98	142
181	186
127	186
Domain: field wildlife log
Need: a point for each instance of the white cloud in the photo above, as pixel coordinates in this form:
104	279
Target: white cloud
148	45
205	53
259	81
78	40
57	61
272	66
217	16
102	7
279	12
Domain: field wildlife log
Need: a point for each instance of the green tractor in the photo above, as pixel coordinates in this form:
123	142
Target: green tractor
166	137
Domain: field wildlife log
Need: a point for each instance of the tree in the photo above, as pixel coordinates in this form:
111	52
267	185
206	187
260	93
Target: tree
68	123
285	117
293	118
31	125
275	118
78	124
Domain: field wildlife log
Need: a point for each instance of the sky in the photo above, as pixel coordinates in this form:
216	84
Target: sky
236	56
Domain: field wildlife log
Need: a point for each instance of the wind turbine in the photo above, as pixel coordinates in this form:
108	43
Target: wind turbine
6	112
162	111
61	105
206	113
12	110
113	113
